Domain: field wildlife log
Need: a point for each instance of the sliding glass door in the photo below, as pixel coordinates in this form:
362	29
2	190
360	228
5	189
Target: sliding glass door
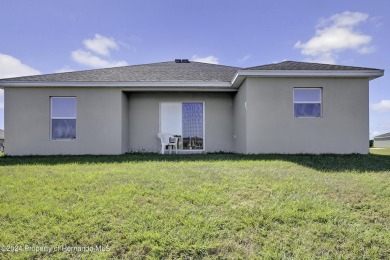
192	125
185	120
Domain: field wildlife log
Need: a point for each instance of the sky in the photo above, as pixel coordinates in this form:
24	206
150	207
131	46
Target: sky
42	36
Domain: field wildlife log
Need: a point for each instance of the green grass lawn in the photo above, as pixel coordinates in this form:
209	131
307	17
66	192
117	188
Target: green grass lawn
196	206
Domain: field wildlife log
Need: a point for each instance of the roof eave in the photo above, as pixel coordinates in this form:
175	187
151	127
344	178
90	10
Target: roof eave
384	136
72	84
242	74
239	77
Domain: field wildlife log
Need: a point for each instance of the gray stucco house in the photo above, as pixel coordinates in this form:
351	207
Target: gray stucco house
382	141
1	140
287	107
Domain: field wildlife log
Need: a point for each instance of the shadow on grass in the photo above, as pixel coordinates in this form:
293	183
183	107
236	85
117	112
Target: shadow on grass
323	162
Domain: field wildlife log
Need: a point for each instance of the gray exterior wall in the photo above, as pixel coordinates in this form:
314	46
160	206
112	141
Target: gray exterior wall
382	142
98	126
272	128
240	120
125	123
257	119
144	119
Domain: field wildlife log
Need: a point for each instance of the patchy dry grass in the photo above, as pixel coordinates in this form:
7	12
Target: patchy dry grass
198	206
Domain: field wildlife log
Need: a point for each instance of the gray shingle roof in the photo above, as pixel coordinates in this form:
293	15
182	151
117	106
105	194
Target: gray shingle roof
154	72
171	72
383	135
294	65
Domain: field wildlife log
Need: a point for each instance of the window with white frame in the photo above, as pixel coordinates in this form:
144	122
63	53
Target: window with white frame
307	102
63	118
185	120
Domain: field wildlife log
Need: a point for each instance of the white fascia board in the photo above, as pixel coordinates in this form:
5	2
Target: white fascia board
242	74
117	84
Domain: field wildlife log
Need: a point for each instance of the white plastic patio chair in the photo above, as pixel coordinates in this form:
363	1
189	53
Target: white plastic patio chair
167	140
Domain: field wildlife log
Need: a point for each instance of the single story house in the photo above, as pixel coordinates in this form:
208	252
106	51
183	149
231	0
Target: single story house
382	141
1	140
287	107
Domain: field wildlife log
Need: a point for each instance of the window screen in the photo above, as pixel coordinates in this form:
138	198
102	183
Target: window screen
307	102
63	118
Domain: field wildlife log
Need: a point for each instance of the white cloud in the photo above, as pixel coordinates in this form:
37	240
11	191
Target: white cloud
373	134
88	59
245	58
377	21
100	44
382	106
63	69
278	61
345	19
327	58
12	67
333	39
209	59
334	35
366	50
380	128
